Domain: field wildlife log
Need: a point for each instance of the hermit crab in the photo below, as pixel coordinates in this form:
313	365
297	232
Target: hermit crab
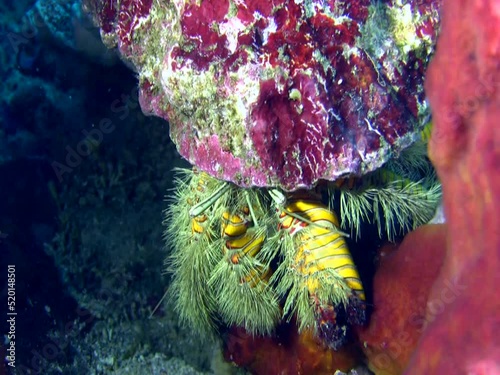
304	122
254	257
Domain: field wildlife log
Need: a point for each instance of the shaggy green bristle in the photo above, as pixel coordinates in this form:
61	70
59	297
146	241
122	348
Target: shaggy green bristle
332	291
242	292
408	208
412	163
397	198
290	283
193	255
245	301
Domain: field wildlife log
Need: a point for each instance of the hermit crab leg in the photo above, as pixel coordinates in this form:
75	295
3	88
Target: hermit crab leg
250	208
278	197
280	200
158	304
201	207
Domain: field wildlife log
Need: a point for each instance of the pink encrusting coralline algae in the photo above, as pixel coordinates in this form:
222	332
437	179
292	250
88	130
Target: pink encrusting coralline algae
279	93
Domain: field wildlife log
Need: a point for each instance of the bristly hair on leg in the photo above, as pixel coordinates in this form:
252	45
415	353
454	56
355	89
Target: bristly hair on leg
316	274
396	198
193	254
394	203
240	279
401	209
412	163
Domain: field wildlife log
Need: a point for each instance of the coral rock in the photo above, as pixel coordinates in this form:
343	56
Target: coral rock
280	93
463	86
401	287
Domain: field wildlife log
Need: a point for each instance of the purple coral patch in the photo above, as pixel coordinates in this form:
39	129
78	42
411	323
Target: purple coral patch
202	42
129	16
288	135
212	158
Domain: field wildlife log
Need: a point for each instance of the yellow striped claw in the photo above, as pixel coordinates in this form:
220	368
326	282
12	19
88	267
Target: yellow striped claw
240	279
317	276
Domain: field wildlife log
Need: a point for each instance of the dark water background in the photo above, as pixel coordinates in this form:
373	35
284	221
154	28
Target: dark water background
83	181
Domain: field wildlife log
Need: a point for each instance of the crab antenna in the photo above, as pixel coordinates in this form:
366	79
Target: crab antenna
201	207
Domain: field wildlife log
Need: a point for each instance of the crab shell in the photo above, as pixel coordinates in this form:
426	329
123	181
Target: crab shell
279	93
